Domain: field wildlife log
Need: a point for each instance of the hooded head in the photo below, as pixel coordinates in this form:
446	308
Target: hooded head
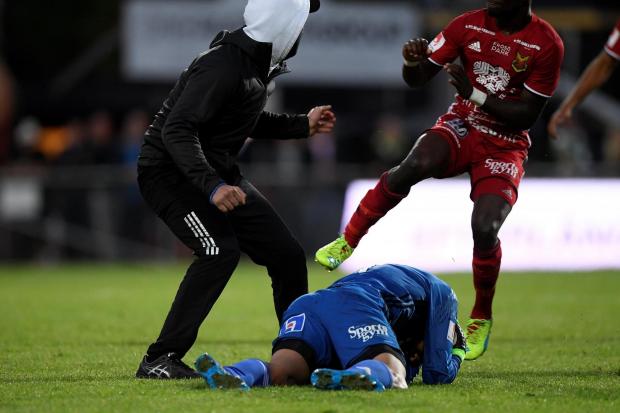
278	22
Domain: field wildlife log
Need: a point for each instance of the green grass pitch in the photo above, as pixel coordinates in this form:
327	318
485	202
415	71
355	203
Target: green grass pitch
72	337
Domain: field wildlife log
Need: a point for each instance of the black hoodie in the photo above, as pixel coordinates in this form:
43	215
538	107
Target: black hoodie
215	105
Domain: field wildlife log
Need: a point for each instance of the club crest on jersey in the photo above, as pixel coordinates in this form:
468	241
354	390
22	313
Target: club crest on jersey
294	324
520	63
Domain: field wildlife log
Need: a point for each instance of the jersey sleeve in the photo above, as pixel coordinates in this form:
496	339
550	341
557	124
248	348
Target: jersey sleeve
445	46
208	87
545	74
612	47
439	365
281	126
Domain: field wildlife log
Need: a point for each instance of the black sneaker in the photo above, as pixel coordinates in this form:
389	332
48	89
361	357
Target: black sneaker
168	366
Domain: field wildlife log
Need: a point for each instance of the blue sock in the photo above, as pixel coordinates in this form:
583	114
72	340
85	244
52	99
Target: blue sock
378	370
253	372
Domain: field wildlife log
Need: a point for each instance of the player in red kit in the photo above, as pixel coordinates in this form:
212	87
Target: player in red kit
511	66
597	73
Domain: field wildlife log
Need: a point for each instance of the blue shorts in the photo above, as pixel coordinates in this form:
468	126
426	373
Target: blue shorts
339	324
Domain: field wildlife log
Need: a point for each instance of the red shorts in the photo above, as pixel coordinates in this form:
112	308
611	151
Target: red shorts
494	163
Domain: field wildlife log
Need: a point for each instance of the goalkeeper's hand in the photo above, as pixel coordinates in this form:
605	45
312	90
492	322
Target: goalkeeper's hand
459	344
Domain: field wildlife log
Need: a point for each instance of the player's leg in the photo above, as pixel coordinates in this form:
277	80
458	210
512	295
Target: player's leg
286	368
207	232
490	212
266	239
430	157
385	370
396	368
302	342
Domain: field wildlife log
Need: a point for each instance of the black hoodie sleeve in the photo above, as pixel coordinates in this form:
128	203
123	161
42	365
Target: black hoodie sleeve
281	126
208	86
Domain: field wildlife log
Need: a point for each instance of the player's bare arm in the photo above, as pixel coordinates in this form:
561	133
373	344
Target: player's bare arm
417	69
519	114
597	73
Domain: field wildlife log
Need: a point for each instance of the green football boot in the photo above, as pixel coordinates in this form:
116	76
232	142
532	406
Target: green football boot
333	254
478	333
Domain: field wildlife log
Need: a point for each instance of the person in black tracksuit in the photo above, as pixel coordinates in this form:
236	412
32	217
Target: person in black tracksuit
187	173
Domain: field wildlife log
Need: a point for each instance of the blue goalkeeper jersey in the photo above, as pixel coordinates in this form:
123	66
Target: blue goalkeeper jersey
412	300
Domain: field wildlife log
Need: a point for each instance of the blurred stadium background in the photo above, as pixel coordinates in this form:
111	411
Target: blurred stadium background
80	81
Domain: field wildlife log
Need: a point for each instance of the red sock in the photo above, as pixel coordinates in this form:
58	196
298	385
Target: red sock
486	270
376	203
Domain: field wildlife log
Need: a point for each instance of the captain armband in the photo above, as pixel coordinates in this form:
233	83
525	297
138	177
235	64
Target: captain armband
459	352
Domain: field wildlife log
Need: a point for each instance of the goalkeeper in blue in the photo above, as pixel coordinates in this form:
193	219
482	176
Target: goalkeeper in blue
373	330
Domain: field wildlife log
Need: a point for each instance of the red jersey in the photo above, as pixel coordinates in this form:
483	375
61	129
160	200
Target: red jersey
613	43
500	64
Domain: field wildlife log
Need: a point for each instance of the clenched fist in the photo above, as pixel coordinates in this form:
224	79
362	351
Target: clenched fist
416	50
321	119
227	197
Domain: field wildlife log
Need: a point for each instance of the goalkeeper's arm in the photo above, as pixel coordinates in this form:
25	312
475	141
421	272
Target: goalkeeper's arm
442	357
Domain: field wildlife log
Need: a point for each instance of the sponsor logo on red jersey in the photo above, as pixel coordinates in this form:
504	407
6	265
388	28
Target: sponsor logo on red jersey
528	45
458	127
475	46
499	167
494	79
480	29
500	48
508	192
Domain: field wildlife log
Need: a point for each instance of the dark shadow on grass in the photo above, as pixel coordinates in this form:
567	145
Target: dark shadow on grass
202	342
554	339
523	374
197	383
229	342
65	379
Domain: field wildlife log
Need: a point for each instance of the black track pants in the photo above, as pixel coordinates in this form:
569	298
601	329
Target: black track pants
217	240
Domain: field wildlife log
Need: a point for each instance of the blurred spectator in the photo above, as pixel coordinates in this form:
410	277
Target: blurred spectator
572	152
322	149
353	143
100	134
6	110
54	141
27	134
135	221
77	149
89	142
389	141
132	135
612	146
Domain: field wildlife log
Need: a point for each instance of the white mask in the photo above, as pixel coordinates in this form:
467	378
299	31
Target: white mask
278	22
